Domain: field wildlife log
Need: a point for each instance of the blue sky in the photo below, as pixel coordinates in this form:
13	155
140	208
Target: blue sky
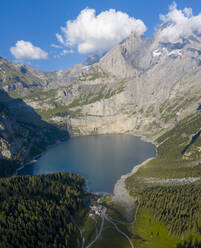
38	21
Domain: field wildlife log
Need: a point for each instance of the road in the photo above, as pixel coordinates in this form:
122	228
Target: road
96	224
131	222
98	234
101	228
125	223
82	237
118	230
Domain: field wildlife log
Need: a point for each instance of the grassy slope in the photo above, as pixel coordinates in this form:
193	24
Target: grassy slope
150	233
160	168
89	228
73	109
170	163
109	237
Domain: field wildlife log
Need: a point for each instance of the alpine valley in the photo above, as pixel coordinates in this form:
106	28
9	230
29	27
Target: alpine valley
141	86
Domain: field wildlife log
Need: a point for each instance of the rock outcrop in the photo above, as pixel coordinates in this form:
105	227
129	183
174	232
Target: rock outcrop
23	134
142	86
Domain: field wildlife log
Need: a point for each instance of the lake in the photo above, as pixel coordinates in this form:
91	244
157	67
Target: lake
100	159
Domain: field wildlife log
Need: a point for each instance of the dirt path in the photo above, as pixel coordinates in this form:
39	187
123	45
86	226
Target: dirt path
118	230
128	222
184	180
100	230
81	234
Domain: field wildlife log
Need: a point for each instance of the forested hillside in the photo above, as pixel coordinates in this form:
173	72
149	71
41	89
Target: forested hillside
37	211
169	186
8	167
179	207
148	85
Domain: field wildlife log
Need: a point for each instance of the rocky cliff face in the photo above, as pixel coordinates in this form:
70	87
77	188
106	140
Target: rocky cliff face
10	140
22	132
142	86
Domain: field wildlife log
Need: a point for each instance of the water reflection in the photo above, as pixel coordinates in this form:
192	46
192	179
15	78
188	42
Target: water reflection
101	159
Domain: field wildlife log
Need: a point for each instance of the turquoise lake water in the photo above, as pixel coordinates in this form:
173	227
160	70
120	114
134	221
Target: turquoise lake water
101	159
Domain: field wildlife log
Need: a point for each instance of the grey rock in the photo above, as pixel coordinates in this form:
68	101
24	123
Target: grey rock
141	86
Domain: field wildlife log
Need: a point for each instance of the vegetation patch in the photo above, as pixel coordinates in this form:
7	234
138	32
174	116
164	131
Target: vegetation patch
92	73
170	212
150	233
177	206
37	211
95	94
111	238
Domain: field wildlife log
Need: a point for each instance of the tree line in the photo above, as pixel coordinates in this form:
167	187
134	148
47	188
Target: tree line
36	211
177	206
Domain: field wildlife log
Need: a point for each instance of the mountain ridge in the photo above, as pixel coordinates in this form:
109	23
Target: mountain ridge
142	86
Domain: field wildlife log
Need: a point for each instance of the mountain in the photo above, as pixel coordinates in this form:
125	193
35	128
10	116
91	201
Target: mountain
92	59
23	134
141	85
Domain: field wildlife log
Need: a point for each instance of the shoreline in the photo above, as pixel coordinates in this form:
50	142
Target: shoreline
119	190
121	194
133	171
33	161
36	157
136	168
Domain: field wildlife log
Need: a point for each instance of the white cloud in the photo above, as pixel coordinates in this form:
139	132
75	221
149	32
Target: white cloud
56	46
65	51
182	23
25	50
60	38
91	32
